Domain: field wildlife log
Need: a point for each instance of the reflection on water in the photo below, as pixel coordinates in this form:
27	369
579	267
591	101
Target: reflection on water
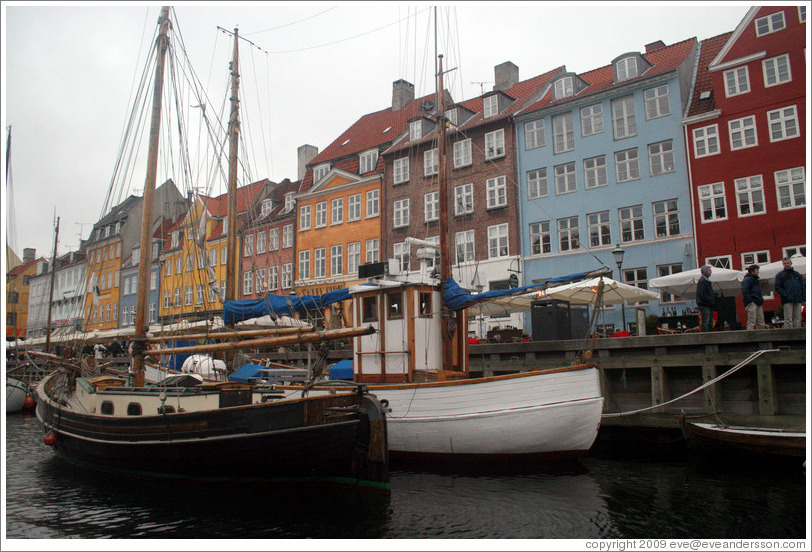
592	498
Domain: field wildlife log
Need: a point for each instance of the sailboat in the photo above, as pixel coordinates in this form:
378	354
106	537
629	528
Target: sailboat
185	427
417	362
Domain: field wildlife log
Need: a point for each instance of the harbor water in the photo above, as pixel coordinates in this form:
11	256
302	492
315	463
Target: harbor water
672	497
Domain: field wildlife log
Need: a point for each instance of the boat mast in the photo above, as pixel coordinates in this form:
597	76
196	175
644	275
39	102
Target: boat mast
233	136
51	291
161	44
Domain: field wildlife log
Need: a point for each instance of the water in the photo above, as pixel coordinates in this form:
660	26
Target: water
590	498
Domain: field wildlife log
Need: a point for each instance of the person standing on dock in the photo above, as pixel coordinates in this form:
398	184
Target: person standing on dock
705	299
791	287
753	299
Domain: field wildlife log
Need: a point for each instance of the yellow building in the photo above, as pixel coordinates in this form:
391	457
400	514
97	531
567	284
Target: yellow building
17	294
338	229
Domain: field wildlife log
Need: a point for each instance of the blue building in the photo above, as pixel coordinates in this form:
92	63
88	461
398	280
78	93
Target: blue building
129	286
601	162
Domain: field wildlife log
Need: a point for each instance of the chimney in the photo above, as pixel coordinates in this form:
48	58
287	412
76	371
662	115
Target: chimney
29	254
305	154
402	94
506	75
655	46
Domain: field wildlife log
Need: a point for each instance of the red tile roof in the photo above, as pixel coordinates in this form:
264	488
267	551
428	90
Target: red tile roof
710	48
246	196
19	269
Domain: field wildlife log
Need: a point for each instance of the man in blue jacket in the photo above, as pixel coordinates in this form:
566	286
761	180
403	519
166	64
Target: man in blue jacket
791	287
753	299
705	299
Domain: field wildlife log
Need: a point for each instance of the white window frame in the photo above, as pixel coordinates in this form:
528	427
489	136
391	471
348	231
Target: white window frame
629	161
496	192
592	119
289	203
490	106
737	81
657	102
495	144
563	88
367	161
431	162
431	206
267	207
722	261
534	134
709	197
354	207
632	228
273	239
462	153
661	158
287	236
783	116
415	130
372	250
464	199
540	238
563	133
464	247
373	203
566	181
320	171
261	242
599	229
772	71
738	130
353	257
802	17
626	68
304	265
304	217
337	211
666	216
319	262
791	250
247	285
760	257
770	23
400	251
336	260
624	120
321	215
595	172
537	183
287	275
569	234
401	170
273	278
400	213
498	241
750	195
788	184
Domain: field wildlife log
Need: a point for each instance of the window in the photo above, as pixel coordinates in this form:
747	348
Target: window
394	305
490	106
626	68
568	234
247	285
401	170
304	217
463	199
755	257
742	133
712	202
793	250
304	265
540	238
565	181
776	70
199	297
373	203
452	116
562	88
373	250
369	309
656	100
431	162
107	407
267	207
770	23
598	227
495	144
661	158
498	241
288	203
320	171
190	262
435	260
637	277
534	134
737	81
319	262
631	223
802	16
188	293
464	246
562	133
321	214
175	239
537	183
496	190
273	239
287	276
153	280
337	211
273	278
177	297
665	270
725	261
336	260
627	166
783	123
261	235
623	118
354	207
431	206
401	213
151	313
462	153
789	186
749	195
415	130
353	257
367	161
287	236
213	257
424	305
666	218
401	251
591	120
595	171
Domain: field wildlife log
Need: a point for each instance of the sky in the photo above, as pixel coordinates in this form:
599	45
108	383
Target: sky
314	68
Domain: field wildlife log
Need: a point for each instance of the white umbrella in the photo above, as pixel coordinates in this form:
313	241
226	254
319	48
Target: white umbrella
770	270
614	292
725	282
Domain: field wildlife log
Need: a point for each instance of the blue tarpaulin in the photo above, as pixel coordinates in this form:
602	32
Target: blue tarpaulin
457	298
278	305
247	371
341	370
176	361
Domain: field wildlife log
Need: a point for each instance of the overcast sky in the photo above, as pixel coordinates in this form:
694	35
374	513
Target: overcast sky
68	73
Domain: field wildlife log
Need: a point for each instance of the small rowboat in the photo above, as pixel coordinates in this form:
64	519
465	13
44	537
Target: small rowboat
753	441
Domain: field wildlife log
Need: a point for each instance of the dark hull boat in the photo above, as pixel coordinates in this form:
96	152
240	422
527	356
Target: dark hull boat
216	432
755	442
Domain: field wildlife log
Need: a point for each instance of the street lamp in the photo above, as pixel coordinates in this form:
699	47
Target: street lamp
618	253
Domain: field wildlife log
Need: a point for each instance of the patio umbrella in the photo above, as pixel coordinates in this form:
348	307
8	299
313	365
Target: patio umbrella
614	292
726	282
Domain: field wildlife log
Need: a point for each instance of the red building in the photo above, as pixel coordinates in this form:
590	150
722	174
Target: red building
746	135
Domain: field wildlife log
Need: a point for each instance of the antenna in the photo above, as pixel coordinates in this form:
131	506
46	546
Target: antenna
482	85
81	226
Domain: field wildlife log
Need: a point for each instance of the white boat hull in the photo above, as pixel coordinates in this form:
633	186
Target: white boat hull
16	391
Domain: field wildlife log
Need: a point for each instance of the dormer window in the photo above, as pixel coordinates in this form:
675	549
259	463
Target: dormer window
267	207
563	88
176	239
415	130
626	68
320	171
451	115
367	161
770	23
118	227
490	106
288	202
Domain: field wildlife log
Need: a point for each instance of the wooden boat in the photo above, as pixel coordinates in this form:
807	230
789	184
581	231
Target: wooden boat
760	442
185	427
16	392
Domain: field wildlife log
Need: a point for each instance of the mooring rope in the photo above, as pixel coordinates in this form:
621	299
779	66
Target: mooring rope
740	365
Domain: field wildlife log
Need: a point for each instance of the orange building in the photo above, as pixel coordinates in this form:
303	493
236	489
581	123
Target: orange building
17	294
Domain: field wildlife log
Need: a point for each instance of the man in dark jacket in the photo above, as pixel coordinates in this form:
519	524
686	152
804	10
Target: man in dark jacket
753	299
791	287
705	299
